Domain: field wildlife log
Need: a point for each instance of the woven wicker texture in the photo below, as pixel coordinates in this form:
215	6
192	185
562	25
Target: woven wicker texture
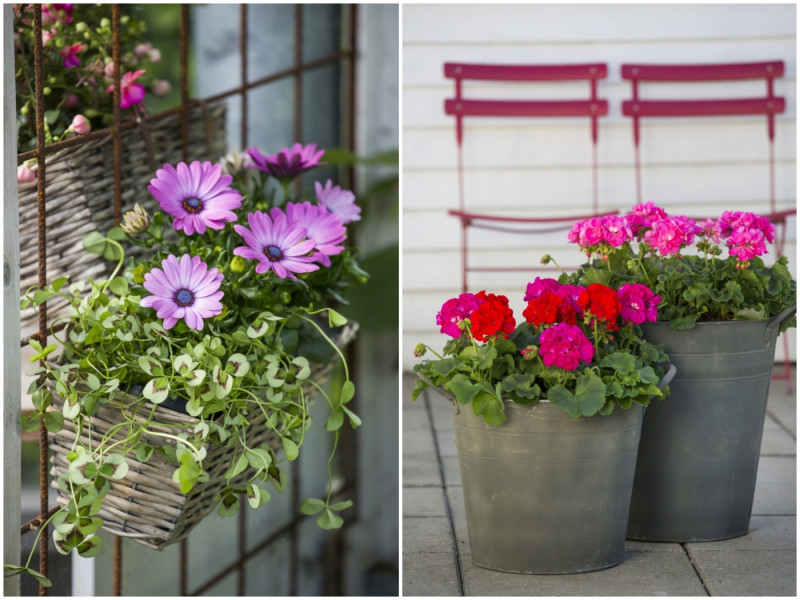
147	504
80	194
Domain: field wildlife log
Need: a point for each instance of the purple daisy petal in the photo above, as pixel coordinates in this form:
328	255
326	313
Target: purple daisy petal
197	196
185	289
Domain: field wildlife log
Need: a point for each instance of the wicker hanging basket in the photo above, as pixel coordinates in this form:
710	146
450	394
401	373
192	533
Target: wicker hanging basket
147	505
80	193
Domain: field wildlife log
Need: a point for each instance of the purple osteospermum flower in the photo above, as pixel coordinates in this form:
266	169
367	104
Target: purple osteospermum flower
338	201
287	163
276	244
197	196
185	289
326	229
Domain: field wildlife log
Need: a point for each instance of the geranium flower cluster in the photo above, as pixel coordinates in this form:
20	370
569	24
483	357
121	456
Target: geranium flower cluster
299	237
745	234
561	313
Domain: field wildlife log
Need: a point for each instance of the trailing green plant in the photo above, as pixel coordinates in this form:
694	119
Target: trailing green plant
228	324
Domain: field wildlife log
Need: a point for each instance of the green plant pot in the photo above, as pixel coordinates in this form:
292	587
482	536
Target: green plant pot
698	457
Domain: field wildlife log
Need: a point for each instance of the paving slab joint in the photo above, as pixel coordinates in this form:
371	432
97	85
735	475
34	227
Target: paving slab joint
448	510
696	570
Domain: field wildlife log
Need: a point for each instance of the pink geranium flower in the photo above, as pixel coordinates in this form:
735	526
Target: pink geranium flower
70	56
196	195
185	289
642	217
638	303
565	346
324	228
670	235
130	92
540	286
276	244
456	310
600	234
289	162
338	201
711	230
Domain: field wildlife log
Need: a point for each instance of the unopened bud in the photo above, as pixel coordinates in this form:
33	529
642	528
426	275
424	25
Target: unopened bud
419	350
80	125
136	220
238	264
138	274
546	259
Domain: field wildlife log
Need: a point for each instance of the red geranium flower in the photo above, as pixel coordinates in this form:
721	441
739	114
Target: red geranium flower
491	317
547	309
601	302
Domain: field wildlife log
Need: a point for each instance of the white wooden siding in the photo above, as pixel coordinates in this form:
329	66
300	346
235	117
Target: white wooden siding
543	166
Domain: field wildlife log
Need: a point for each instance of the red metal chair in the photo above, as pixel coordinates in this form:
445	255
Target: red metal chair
768	105
461	107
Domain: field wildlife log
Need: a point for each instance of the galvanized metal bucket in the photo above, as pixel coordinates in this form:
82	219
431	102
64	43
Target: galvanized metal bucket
545	493
698	457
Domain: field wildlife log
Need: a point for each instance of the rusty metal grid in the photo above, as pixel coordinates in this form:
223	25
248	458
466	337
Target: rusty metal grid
345	57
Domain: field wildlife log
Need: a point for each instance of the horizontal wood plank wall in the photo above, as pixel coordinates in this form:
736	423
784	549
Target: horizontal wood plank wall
541	167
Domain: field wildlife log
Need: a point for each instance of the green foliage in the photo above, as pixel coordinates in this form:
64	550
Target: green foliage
90	26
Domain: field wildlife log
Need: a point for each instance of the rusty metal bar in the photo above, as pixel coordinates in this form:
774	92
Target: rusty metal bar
184	80
244	58
100	133
42	240
36	522
183	585
242	548
116	134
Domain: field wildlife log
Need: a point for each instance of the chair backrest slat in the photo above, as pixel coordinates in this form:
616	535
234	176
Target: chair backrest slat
768	105
525	72
526	108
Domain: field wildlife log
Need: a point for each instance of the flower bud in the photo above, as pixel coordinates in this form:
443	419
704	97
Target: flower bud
81	27
419	350
70	100
135	221
464	324
104	22
47	91
80	125
530	352
25	174
238	264
162	87
546	259
139	272
154	55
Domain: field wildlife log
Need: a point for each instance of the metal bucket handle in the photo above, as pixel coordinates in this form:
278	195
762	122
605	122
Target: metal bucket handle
776	322
667	376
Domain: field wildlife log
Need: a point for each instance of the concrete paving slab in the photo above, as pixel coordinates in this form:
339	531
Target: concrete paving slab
766	533
776	486
640	574
743	573
777	441
426	535
423	502
430	575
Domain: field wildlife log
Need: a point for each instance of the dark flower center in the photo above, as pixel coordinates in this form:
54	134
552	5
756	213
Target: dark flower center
273	253
193	204
184	298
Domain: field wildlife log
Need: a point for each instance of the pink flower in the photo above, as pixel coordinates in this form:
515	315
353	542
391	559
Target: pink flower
338	201
540	286
197	196
70	56
47	35
25	174
669	235
565	346
746	244
456	310
130	93
276	244
638	303
55	12
185	289
288	163
70	100
642	216
141	50
737	220
600	233
710	229
324	228
161	87
80	125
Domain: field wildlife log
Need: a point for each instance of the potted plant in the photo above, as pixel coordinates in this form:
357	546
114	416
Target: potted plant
77	75
719	318
547	417
184	380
